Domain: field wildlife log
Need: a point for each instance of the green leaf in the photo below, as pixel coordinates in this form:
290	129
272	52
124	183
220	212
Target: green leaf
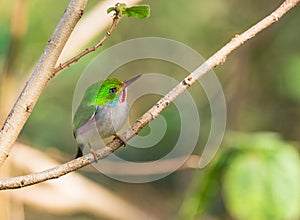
195	204
263	181
110	10
138	11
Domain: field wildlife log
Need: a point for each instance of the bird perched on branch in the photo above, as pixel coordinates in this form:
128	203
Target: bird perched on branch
102	112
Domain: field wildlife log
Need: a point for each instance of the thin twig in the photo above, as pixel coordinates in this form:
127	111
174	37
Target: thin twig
62	66
39	78
215	60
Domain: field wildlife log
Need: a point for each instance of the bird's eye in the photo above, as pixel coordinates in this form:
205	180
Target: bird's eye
113	90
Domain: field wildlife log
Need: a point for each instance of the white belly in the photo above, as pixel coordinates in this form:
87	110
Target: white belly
106	122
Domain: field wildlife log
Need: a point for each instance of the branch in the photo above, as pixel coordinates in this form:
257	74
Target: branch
62	66
119	10
44	196
91	26
35	85
215	60
39	78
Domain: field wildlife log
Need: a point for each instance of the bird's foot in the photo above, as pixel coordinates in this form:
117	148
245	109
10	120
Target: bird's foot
123	139
92	151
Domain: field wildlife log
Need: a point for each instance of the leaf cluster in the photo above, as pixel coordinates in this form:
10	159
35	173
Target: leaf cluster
137	11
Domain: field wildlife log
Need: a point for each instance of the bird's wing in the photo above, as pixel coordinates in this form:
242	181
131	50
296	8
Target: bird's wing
87	107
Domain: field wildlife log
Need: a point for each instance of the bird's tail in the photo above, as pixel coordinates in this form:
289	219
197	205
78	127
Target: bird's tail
79	152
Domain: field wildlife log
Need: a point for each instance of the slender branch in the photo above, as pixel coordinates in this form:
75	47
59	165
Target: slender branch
215	60
62	66
39	78
87	25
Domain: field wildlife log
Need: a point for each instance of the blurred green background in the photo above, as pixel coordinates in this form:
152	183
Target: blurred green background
261	82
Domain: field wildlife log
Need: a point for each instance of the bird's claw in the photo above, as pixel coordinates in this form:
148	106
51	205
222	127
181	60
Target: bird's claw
92	151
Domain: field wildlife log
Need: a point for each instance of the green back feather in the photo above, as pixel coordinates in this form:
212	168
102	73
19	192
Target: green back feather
87	107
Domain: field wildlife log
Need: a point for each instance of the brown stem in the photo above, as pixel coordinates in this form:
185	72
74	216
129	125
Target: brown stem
62	66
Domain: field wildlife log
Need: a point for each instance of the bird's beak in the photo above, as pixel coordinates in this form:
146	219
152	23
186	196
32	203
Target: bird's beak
129	81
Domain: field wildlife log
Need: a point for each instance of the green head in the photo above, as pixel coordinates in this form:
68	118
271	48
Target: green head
109	92
113	90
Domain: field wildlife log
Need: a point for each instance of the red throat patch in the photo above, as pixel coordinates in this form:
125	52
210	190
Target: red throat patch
123	96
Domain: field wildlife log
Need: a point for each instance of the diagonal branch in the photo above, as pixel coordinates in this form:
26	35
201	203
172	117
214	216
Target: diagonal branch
215	60
39	78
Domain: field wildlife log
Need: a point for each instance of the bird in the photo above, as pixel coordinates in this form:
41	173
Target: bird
102	112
